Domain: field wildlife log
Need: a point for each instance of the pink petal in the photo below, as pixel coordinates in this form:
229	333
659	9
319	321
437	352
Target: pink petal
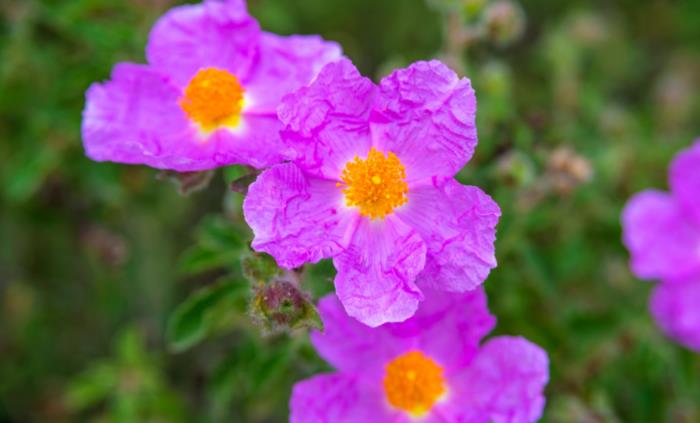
662	241
285	65
214	33
685	180
326	122
448	327
335	398
676	307
376	273
504	384
353	347
458	224
296	218
426	116
135	118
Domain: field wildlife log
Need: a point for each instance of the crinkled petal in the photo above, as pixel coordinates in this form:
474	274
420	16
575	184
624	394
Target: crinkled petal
504	384
662	241
296	218
286	64
255	143
337	398
215	33
326	123
685	180
458	223
135	118
376	274
447	327
426	116
676	307
353	347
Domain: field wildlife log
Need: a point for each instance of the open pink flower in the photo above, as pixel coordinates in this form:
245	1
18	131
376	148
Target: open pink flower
662	232
208	95
430	368
373	187
676	308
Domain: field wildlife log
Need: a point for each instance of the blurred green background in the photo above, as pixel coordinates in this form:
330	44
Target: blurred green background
123	301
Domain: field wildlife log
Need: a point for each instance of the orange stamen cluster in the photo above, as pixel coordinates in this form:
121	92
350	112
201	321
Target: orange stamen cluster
213	98
376	185
413	383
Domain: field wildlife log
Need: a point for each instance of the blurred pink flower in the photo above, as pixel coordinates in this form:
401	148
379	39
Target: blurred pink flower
207	96
662	232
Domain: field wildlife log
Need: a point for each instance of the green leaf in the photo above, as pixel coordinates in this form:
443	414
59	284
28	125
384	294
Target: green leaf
201	314
259	267
218	244
91	387
200	259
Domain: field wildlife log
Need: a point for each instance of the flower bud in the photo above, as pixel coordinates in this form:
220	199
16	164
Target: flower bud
280	306
566	169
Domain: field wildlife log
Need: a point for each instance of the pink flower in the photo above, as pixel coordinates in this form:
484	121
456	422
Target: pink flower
675	306
662	232
430	368
208	95
372	186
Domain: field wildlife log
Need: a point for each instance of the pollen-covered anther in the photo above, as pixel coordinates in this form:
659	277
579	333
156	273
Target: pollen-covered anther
414	382
213	98
376	185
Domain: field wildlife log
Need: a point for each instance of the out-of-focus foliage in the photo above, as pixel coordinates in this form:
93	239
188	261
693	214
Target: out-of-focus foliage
123	301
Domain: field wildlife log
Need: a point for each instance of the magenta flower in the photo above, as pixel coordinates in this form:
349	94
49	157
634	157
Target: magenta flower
662	232
208	96
430	368
373	187
676	308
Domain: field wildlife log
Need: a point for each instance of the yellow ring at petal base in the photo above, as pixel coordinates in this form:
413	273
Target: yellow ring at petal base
375	185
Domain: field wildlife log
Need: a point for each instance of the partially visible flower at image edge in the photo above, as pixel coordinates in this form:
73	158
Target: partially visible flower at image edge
208	95
372	186
430	368
676	308
662	233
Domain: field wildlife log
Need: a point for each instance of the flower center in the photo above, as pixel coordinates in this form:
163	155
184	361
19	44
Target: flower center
413	383
213	98
376	185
